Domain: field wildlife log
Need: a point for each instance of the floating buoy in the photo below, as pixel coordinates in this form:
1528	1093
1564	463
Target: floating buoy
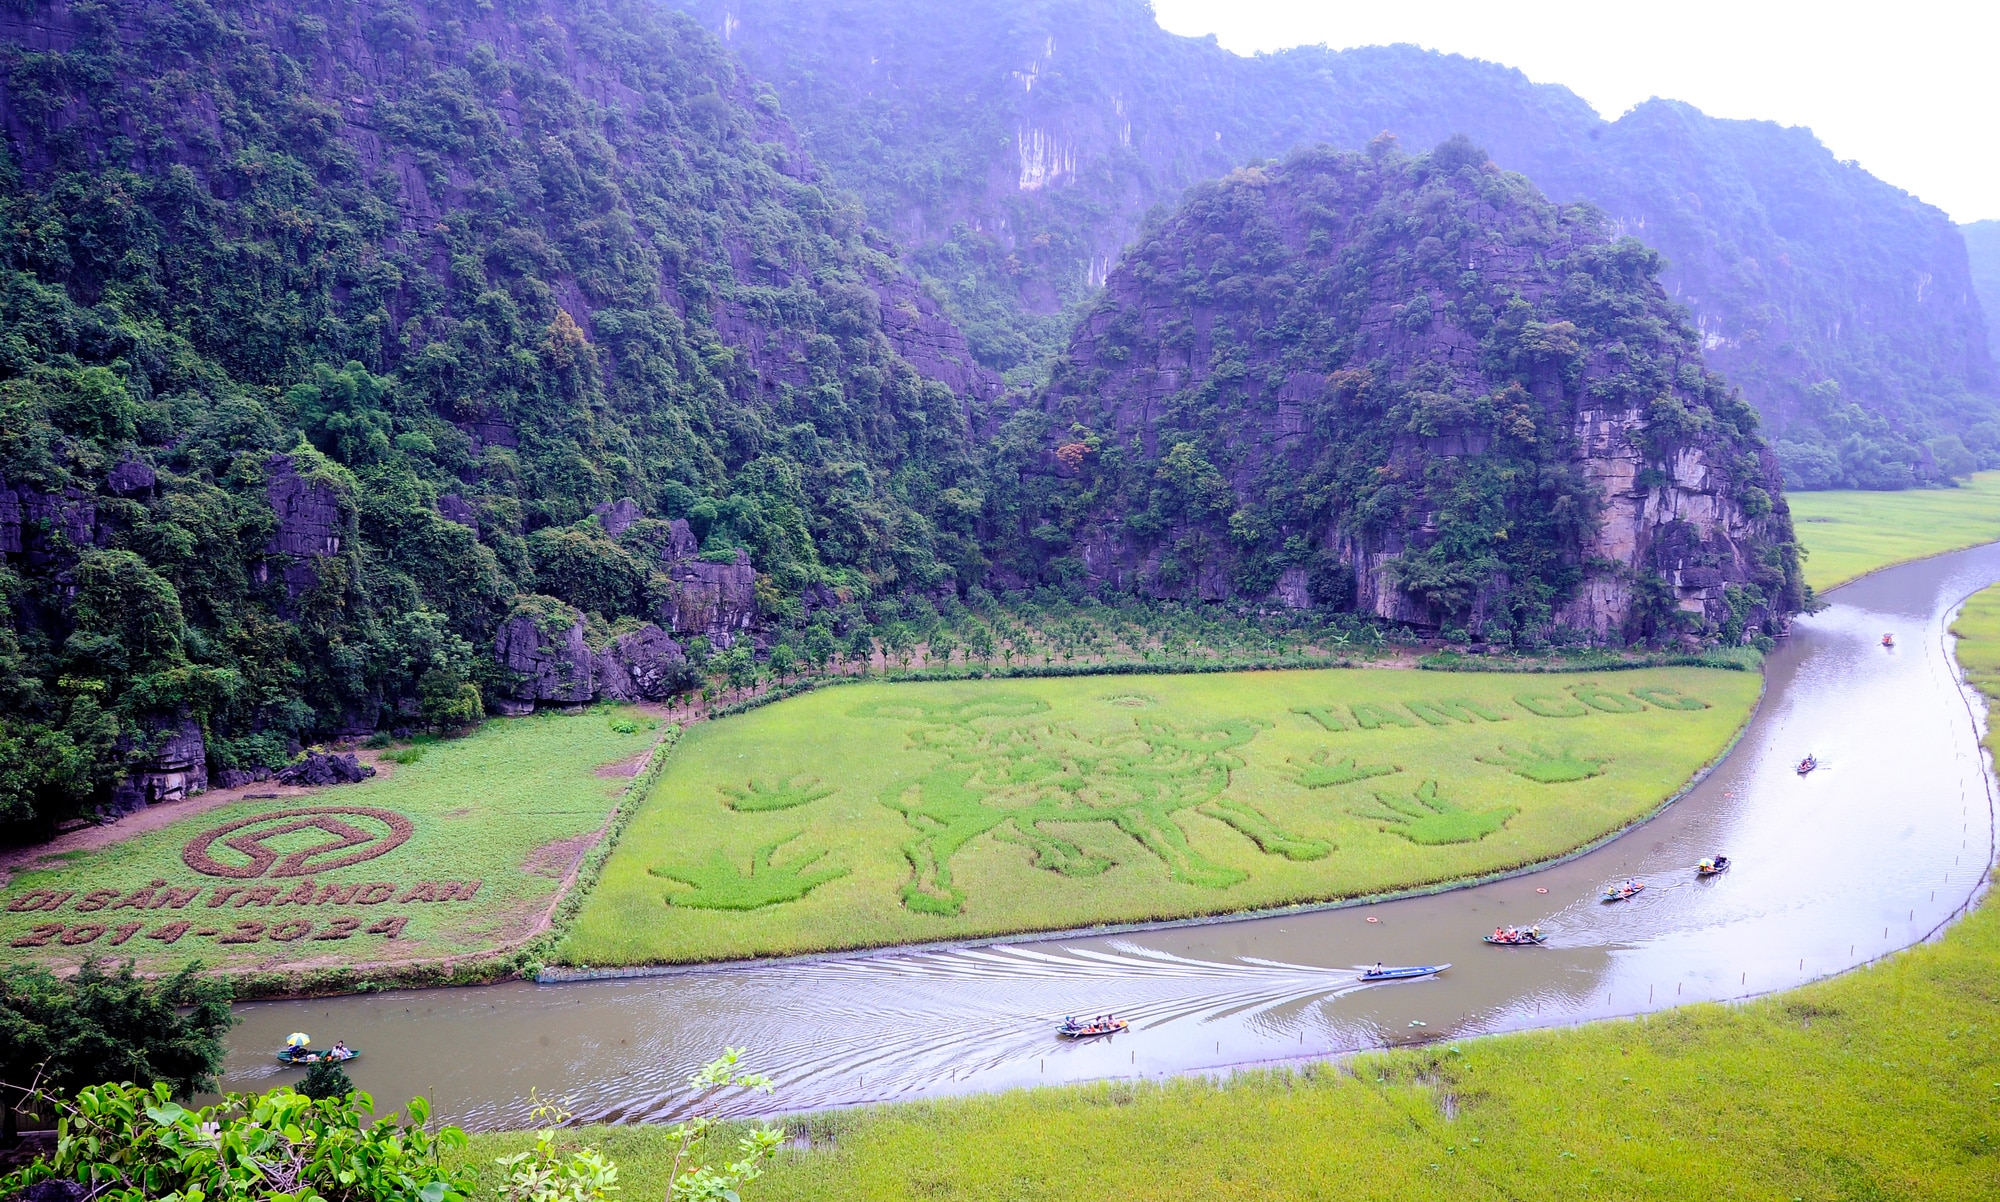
1372	918
1541	890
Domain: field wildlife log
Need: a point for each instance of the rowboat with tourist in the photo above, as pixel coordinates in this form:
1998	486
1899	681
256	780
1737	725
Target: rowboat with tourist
1712	866
1516	936
298	1051
1888	640
1624	892
1807	764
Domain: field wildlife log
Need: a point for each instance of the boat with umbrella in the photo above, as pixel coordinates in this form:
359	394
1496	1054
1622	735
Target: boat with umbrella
298	1050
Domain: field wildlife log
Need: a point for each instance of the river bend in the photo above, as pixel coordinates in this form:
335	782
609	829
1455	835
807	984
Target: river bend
1882	847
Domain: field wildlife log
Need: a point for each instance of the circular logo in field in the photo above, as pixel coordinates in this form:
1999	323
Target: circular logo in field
353	834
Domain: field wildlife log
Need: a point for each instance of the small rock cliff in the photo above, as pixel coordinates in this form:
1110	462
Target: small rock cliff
1408	386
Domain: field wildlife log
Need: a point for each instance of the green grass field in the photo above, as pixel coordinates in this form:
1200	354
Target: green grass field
499	816
1849	534
1881	1084
880	814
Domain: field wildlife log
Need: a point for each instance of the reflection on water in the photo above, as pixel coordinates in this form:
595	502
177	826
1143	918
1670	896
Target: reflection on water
1880	847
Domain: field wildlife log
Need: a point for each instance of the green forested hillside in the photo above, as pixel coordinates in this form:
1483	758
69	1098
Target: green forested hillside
372	366
324	328
1017	146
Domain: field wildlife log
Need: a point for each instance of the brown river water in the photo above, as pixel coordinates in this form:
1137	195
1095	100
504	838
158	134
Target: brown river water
1881	847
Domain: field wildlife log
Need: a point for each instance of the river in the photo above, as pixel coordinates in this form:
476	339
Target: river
1882	847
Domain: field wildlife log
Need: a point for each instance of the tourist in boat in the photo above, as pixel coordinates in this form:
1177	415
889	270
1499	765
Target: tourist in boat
339	1051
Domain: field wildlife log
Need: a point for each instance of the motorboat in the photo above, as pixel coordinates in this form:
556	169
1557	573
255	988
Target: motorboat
1408	973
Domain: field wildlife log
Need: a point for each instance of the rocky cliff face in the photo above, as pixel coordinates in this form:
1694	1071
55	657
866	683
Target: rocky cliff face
311	525
1410	386
173	768
715	600
546	646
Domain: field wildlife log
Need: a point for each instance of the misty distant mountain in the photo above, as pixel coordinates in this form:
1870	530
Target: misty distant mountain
1982	244
1014	148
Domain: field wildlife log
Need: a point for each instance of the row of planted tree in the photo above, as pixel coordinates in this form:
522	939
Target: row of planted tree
917	636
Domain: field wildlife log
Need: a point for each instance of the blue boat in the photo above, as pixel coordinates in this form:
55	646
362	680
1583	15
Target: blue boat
1411	973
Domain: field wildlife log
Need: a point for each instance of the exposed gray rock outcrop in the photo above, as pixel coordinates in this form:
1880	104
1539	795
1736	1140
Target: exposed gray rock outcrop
681	542
310	524
542	642
617	516
130	478
717	600
10	520
320	769
233	778
643	665
48	530
177	768
922	334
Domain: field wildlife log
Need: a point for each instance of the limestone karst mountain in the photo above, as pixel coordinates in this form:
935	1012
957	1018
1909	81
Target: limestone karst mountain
1412	386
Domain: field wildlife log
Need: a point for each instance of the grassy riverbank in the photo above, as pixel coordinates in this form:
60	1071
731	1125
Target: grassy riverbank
1851	533
883	814
1884	1083
455	853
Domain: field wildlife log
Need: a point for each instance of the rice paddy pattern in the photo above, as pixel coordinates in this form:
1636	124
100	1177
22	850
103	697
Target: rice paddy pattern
1024	780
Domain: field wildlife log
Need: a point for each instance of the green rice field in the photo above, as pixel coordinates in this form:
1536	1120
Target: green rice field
457	853
1850	534
880	814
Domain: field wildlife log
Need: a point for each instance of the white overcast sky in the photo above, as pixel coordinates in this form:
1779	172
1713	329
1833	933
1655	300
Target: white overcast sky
1910	88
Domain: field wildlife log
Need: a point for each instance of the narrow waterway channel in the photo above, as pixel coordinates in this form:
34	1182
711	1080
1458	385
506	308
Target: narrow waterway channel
1881	847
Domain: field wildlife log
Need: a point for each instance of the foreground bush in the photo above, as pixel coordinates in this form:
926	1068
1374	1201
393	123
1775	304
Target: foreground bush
58	1034
128	1143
